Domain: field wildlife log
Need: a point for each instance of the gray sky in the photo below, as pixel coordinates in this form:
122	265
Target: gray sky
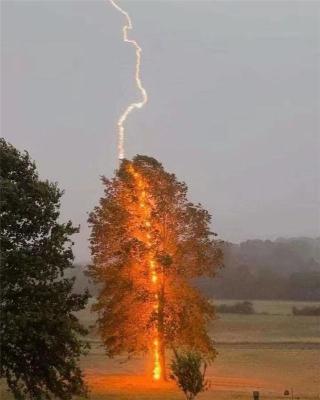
233	103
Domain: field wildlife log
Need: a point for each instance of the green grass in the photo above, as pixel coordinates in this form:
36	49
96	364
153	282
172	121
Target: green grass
266	328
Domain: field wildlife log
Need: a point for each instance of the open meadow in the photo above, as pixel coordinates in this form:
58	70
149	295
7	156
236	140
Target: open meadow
271	352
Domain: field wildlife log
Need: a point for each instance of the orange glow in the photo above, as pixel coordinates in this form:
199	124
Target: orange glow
157	366
124	385
146	236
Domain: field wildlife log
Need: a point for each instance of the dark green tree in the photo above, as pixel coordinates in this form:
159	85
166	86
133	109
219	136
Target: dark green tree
40	335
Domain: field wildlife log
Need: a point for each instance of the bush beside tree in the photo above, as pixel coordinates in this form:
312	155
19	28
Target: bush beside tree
188	371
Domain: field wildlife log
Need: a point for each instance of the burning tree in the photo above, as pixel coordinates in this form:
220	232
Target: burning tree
148	243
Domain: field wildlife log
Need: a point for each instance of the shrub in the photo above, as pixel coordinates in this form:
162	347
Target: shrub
188	371
244	307
308	311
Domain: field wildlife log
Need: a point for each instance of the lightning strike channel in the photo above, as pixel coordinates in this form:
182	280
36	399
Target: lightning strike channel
144	97
146	212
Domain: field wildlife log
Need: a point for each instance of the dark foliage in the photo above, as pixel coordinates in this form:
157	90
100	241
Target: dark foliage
40	343
245	307
307	311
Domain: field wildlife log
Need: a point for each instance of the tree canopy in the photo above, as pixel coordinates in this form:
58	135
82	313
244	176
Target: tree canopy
40	335
148	242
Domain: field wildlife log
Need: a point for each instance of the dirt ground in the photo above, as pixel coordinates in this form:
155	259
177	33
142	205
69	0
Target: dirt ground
236	373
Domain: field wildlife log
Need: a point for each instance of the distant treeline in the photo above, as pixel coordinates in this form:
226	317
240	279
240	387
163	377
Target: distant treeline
245	307
307	311
242	283
284	269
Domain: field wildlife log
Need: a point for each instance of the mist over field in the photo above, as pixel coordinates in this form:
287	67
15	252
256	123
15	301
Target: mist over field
284	269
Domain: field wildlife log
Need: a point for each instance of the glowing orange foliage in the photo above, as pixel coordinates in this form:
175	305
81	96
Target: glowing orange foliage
147	243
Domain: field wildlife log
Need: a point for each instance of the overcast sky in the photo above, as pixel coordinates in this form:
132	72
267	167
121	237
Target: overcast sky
233	103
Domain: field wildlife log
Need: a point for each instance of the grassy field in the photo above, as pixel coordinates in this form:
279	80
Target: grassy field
268	352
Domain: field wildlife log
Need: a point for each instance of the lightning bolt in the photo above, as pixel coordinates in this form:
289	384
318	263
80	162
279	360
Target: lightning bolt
144	97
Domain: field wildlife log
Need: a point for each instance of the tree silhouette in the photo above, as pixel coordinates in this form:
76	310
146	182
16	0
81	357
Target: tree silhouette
40	336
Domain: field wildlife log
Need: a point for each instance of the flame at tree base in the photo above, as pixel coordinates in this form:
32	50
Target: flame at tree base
157	366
